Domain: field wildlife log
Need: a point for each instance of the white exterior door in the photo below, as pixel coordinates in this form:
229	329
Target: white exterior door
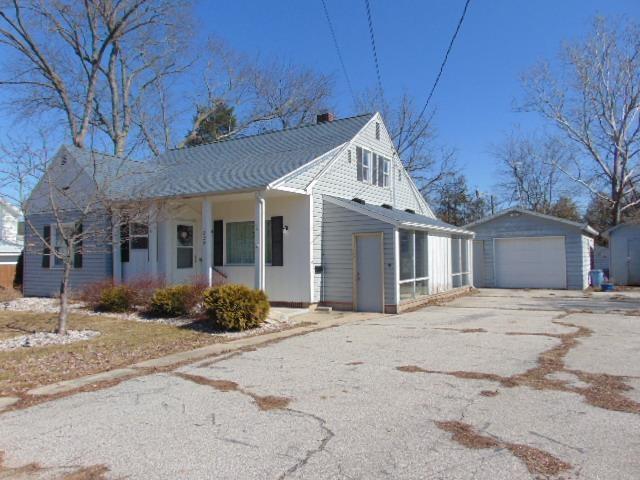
531	262
184	257
369	284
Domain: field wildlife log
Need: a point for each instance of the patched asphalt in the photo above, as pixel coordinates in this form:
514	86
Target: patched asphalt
352	413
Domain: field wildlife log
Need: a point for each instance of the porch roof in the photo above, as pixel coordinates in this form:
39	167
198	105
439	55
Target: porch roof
397	217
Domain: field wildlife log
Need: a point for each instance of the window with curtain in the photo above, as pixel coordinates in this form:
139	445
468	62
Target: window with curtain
414	264
240	242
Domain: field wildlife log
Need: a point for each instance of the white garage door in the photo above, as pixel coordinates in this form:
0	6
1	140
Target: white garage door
531	262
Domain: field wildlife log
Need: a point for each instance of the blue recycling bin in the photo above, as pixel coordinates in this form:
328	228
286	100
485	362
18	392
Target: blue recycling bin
597	278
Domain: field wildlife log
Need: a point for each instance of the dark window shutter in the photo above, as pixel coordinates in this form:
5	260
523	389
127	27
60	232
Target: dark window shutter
381	161
277	242
218	243
77	248
374	169
46	252
124	242
359	162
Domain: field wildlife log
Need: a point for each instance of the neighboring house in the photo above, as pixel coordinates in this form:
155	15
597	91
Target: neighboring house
327	209
624	254
517	248
11	240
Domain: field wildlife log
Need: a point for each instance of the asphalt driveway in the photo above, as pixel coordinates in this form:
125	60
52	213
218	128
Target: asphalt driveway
501	384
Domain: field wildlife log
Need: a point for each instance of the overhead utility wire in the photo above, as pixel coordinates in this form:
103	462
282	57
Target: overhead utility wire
375	52
442	65
337	46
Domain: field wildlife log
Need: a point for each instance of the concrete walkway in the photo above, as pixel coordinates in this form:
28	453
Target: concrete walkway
489	386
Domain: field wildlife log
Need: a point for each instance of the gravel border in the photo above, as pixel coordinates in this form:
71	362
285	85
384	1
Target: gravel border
41	339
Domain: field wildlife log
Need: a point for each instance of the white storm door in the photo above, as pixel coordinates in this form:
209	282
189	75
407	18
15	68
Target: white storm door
184	265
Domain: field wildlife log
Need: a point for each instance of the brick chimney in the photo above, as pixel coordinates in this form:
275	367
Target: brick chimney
325	117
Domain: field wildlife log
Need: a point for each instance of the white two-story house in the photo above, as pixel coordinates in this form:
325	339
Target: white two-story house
322	214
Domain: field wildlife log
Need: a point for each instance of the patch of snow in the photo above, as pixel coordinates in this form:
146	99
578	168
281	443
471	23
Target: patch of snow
40	339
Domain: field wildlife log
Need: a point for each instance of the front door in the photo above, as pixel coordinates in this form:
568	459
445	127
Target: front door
369	285
185	255
633	261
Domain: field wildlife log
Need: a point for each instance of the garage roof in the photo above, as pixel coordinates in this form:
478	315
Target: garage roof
582	226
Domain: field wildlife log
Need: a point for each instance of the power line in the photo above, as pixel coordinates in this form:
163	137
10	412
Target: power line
375	52
337	46
442	65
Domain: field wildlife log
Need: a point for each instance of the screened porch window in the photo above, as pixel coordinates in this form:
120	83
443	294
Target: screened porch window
240	241
414	264
459	262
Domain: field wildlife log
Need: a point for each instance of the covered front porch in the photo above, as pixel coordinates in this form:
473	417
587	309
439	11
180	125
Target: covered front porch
259	239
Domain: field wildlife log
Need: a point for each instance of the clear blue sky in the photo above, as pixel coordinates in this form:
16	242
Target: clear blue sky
499	39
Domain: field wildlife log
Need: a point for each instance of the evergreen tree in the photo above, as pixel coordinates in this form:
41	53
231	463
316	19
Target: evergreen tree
217	123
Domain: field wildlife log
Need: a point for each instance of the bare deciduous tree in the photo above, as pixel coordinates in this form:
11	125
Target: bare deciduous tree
90	61
594	99
69	207
529	168
272	95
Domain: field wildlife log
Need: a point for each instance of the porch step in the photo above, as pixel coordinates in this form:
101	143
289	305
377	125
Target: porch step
324	309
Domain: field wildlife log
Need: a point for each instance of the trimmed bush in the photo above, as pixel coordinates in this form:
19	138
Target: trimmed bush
175	301
236	307
116	298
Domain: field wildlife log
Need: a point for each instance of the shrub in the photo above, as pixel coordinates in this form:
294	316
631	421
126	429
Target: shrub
116	298
91	293
175	301
236	307
143	288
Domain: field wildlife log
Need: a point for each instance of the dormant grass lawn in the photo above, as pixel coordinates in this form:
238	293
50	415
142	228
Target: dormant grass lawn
121	343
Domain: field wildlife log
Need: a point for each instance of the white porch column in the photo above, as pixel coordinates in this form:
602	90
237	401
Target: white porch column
259	239
115	248
153	241
207	240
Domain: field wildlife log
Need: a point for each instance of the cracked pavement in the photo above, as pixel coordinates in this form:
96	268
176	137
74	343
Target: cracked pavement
351	413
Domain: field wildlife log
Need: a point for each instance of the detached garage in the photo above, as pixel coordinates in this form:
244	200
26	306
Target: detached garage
517	248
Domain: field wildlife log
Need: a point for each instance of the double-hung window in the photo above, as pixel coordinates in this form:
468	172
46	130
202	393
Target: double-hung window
386	166
372	168
139	236
414	264
366	166
240	241
61	242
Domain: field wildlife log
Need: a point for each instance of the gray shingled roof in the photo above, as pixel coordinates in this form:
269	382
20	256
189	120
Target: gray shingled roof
242	163
395	216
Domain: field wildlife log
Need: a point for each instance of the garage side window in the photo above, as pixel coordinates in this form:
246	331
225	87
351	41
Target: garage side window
459	262
414	264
